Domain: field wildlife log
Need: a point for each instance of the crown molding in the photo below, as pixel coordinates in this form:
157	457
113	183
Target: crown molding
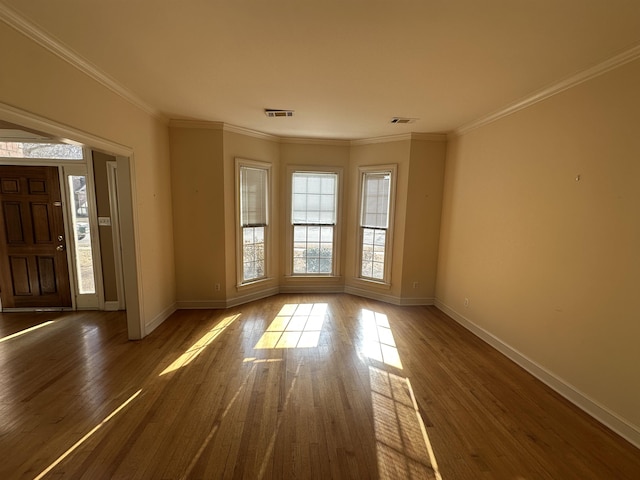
315	141
225	127
250	133
58	48
605	66
198	124
429	137
385	139
213	125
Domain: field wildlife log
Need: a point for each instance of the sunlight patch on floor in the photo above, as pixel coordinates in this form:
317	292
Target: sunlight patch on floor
402	445
379	343
27	330
87	436
197	348
297	325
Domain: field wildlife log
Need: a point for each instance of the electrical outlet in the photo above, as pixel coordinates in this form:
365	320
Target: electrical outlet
217	287
466	302
416	284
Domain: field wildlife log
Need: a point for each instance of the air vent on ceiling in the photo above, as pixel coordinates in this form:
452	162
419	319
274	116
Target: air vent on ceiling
278	113
403	120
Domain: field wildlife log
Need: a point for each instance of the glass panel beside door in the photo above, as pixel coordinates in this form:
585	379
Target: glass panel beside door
81	230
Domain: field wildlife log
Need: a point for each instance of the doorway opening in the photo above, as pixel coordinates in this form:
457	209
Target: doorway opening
50	245
26	126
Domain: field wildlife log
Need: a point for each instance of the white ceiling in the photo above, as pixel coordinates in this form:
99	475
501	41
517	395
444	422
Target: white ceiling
345	66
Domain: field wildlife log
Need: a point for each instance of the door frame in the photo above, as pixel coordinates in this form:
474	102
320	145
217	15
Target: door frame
112	181
84	168
126	200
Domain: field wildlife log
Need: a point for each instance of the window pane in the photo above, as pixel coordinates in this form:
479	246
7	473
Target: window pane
313	234
313	183
311	253
247	235
326	234
249	253
325	265
40	150
253	253
378	271
373	253
82	231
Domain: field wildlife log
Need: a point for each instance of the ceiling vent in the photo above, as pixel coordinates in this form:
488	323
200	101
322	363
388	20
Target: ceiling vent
403	120
278	113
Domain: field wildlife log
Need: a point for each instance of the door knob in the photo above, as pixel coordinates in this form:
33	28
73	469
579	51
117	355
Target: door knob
60	248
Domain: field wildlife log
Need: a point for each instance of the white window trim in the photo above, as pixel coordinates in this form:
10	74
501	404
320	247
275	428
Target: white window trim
242	162
388	260
337	235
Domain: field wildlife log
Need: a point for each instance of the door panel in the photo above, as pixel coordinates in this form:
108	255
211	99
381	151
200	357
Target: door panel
33	259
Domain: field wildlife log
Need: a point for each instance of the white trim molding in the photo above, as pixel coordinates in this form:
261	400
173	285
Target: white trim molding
621	426
111	306
66	53
160	318
201	304
232	302
315	141
60	131
611	63
250	133
198	124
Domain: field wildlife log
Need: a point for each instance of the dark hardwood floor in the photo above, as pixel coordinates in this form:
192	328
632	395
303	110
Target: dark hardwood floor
293	386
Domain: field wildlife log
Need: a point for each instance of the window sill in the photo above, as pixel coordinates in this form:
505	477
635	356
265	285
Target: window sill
365	282
254	283
307	277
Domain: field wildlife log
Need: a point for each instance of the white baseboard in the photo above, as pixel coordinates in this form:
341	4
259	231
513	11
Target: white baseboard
161	317
362	292
201	304
111	306
383	297
417	301
621	426
250	297
318	288
268	292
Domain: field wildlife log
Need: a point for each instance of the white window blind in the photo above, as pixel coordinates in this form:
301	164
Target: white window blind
314	198
253	197
375	200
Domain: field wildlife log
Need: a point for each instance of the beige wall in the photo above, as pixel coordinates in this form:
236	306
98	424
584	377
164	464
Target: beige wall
422	225
40	83
197	177
550	264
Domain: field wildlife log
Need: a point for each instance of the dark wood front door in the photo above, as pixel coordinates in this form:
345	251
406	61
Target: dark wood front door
33	258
